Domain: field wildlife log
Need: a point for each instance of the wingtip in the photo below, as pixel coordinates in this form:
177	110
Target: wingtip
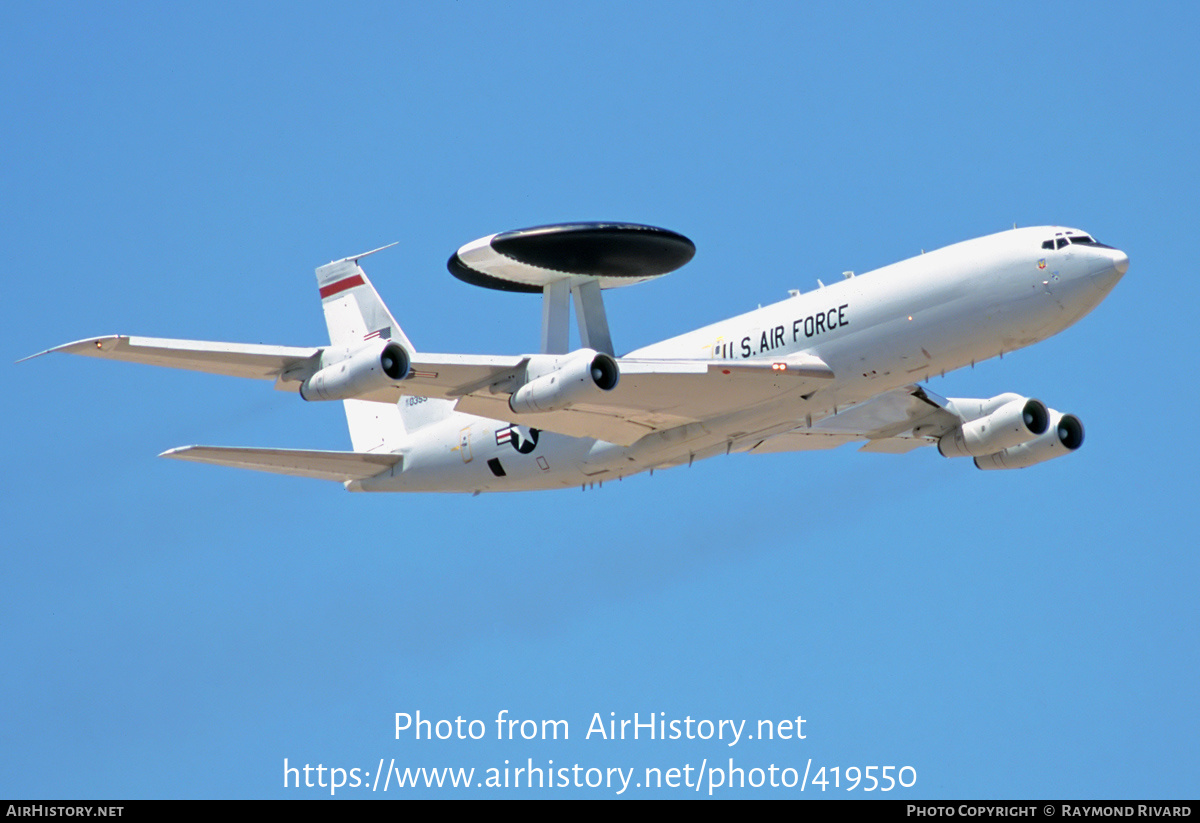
30	357
103	342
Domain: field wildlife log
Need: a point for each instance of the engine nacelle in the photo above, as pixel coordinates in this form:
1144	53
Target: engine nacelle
565	380
372	367
1064	436
1016	421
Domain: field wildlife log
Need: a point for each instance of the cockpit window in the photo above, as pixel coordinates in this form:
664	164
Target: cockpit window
1060	240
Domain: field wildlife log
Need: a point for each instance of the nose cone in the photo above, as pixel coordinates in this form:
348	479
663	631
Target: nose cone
1120	261
1109	269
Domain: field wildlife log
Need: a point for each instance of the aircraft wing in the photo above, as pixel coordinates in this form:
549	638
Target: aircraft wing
894	422
434	375
651	395
233	359
451	376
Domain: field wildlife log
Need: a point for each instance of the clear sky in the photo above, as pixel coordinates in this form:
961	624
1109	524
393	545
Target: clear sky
176	630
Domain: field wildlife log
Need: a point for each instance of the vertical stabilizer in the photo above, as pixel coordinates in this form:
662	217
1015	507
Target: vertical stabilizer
355	315
374	427
419	412
353	311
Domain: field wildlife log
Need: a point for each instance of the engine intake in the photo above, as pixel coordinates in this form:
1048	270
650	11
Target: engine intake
582	374
365	370
1064	436
1015	422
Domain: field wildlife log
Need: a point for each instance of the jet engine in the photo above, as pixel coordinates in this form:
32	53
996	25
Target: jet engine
1064	435
564	380
372	367
1014	422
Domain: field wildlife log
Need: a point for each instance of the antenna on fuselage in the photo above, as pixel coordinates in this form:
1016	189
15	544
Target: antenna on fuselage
572	260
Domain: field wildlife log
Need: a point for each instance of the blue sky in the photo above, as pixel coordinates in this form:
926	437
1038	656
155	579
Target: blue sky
173	630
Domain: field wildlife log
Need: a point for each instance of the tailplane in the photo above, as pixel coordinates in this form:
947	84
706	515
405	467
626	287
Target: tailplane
322	465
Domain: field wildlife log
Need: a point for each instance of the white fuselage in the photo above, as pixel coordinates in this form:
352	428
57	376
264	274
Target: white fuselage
877	331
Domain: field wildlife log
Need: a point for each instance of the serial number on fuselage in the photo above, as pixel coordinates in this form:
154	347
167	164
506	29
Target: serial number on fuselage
777	337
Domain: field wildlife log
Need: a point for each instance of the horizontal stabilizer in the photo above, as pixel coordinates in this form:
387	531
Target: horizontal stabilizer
233	359
322	465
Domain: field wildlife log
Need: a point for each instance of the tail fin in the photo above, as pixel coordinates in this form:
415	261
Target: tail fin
355	314
353	311
374	427
418	412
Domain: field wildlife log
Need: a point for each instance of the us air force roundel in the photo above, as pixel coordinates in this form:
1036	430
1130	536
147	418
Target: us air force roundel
523	439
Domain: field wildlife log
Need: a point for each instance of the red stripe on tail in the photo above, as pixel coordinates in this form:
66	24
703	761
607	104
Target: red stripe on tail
341	286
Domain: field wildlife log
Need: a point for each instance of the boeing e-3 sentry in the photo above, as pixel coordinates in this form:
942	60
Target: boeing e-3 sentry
835	365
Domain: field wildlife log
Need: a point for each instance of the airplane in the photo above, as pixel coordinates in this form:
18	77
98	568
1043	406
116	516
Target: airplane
835	365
